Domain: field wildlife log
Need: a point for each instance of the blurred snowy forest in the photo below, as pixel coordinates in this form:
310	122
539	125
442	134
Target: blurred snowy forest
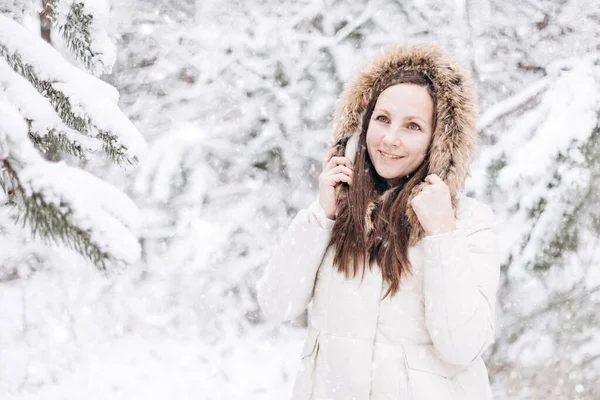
234	99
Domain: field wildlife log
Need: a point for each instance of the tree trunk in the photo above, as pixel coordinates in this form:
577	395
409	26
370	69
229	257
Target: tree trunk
45	30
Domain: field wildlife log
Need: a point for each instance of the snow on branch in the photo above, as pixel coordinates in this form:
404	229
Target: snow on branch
18	9
353	25
511	104
64	203
554	72
81	26
83	102
542	159
567	113
45	126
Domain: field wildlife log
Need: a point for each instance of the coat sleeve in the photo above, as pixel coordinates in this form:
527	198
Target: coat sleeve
461	277
287	284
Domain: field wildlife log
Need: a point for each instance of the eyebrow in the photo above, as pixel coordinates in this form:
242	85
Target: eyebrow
410	117
381	110
416	117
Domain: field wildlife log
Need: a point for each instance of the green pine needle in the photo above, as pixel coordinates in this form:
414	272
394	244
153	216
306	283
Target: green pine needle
50	222
59	141
114	151
76	34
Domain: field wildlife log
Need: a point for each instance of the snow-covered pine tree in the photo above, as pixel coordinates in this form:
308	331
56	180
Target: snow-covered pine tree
541	177
47	104
537	69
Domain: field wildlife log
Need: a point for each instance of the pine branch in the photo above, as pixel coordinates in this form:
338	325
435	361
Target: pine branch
58	140
76	33
115	153
51	222
515	102
9	182
62	105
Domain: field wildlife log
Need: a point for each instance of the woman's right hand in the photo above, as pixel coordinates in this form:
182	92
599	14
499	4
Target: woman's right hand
335	170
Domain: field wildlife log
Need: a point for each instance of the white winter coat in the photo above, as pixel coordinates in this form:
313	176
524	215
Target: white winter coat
423	343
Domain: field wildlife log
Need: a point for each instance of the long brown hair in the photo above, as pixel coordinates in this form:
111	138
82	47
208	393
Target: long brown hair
371	223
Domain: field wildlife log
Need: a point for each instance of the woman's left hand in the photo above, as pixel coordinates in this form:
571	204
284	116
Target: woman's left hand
433	207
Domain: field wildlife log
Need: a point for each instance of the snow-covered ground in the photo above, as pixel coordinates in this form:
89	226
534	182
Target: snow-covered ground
130	367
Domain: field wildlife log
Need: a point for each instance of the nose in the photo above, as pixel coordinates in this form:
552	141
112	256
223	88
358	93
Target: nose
392	138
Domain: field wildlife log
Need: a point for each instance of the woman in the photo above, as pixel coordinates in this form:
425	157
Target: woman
401	268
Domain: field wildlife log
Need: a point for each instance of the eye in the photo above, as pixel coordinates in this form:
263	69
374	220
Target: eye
414	127
382	118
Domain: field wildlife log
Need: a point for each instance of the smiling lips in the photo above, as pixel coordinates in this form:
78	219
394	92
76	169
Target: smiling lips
389	156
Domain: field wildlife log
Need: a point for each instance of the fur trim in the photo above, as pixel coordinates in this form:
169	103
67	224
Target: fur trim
455	138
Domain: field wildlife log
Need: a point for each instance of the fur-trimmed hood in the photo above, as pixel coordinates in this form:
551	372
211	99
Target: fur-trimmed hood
455	138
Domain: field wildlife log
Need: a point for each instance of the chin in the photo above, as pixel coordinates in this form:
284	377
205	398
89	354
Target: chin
389	175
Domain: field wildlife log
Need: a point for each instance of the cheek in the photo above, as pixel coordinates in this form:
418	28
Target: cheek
374	135
419	146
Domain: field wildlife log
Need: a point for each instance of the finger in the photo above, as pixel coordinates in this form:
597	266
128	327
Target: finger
328	156
341	168
330	153
339	160
433	179
333	180
415	202
335	161
423	186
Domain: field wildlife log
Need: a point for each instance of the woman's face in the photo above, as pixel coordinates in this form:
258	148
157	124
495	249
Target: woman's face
400	130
